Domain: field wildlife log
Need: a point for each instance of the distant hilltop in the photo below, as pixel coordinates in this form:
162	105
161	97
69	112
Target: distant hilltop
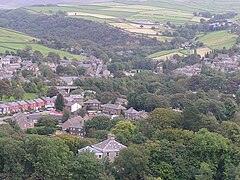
10	4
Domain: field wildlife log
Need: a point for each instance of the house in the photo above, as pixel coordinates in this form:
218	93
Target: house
69	80
121	101
77	130
109	148
75	121
73	106
23	105
32	104
4	109
22	121
68	99
77	98
14	106
112	109
92	104
48	102
39	103
132	114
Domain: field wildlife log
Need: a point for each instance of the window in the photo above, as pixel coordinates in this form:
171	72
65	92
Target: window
100	156
117	153
108	154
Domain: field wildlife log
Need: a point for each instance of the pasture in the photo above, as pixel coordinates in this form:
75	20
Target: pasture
12	41
218	40
129	15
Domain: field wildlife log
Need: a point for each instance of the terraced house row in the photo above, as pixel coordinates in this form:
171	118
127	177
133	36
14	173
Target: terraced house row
17	106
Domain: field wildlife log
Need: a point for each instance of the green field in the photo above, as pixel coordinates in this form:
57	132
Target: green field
26	97
12	41
162	53
126	15
175	11
218	40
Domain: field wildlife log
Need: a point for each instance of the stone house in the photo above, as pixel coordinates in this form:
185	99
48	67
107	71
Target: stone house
109	148
22	121
92	104
132	114
112	109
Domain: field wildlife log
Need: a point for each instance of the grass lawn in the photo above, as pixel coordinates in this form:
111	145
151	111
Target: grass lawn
26	97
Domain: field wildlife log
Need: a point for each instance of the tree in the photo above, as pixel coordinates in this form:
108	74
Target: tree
124	131
164	118
66	115
231	108
132	163
205	172
18	93
47	158
59	102
37	56
12	157
52	91
5	89
74	143
85	166
97	123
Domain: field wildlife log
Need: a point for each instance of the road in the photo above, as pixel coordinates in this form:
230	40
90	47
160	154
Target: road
33	115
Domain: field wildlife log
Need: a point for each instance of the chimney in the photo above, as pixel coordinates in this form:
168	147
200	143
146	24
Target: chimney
111	136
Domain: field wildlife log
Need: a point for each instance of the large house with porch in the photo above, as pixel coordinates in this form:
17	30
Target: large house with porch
109	148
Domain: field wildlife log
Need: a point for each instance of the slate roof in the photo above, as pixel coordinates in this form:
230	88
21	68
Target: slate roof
30	101
78	120
109	145
90	149
13	104
92	101
46	99
22	103
113	106
22	121
38	100
131	111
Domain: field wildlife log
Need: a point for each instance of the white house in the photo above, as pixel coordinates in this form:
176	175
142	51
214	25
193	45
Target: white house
73	106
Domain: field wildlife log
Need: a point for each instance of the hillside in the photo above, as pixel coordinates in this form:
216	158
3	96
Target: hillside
9	4
12	41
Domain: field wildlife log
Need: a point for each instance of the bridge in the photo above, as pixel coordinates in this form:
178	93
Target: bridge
68	89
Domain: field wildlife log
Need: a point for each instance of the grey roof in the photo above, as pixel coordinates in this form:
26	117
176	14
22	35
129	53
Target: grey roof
22	102
69	99
38	100
4	106
22	121
89	149
13	104
109	145
92	101
131	111
113	106
46	99
30	101
71	103
78	120
69	79
76	96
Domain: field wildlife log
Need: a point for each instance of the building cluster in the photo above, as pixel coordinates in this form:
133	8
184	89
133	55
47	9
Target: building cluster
223	63
26	105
